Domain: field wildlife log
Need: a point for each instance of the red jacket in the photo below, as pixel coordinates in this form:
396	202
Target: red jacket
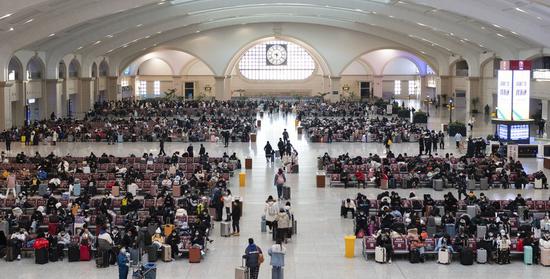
41	243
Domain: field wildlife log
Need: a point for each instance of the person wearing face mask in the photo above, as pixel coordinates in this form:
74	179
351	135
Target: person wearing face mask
173	241
123	264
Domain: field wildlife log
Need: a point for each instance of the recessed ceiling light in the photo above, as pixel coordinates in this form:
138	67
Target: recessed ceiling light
497	26
483	27
29	21
139	25
198	31
109	36
97	43
147	37
155	44
4	16
373	12
391	16
159	32
539	18
79	48
51	35
500	35
515	33
11	29
161	3
521	11
358	10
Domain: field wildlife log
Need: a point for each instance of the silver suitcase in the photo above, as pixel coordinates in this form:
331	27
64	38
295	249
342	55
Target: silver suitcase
481	231
443	256
438	184
481	257
242	272
380	255
471	210
225	229
484	183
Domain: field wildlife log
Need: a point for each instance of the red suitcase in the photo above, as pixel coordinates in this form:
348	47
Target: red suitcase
85	253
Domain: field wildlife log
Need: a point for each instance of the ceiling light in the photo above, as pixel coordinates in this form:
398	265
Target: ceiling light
139	25
29	21
421	24
483	27
4	16
97	43
497	26
155	45
147	37
500	35
358	10
79	48
51	35
109	36
161	3
373	12
539	18
391	16
159	32
521	11
198	31
515	33
11	29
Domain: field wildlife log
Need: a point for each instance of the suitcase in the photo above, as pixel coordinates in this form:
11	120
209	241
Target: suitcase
225	229
152	254
53	254
471	210
481	231
73	253
120	138
263	224
41	256
528	255
380	255
115	191
545	257
414	256
384	184
294	226
248	163
481	256
166	253
467	256
450	230
194	255
242	272
102	259
76	189
471	184
286	193
85	253
484	183
135	255
10	254
443	256
438	184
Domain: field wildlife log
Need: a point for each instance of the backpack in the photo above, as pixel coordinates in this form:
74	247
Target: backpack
124	202
272	210
280	179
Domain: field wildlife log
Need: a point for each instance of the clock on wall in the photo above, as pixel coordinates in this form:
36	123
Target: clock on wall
276	54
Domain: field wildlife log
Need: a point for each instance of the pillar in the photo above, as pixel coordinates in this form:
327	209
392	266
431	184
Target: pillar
219	87
444	88
335	87
177	83
5	105
545	108
377	86
227	88
84	98
112	88
54	97
424	88
474	91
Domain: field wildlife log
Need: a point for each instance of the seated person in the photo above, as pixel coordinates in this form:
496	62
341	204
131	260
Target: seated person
157	239
347	206
384	240
416	242
444	242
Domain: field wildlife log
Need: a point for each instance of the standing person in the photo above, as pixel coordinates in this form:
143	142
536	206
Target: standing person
330	134
421	145
268	152
279	181
190	150
281	147
54	137
441	137
227	203
458	139
7	138
270	211
285	136
428	143
461	184
254	257
283	224
225	135
123	264
236	216
161	152
435	141
277	253
202	150
10	183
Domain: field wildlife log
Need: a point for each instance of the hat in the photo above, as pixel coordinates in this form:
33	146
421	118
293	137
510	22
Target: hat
58	205
157	231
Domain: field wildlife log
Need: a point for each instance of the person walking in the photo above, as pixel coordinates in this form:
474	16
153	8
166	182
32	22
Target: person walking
7	138
277	253
268	152
458	139
285	136
283	224
236	217
161	143
279	181
254	258
441	137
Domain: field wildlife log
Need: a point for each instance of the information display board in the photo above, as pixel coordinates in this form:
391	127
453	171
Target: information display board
505	80
520	99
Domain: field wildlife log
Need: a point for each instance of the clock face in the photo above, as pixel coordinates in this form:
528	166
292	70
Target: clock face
276	55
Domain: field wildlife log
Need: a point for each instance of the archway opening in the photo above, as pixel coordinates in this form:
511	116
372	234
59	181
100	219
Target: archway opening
15	69
35	68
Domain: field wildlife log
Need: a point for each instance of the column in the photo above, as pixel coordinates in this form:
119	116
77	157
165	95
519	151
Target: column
335	87
219	84
227	88
545	108
444	88
177	83
377	86
5	105
424	88
474	91
84	97
112	89
54	97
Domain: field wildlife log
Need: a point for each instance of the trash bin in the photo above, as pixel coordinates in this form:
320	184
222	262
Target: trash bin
252	137
350	246
242	179
150	271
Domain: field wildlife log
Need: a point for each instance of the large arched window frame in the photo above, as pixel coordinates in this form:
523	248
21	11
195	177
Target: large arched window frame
299	65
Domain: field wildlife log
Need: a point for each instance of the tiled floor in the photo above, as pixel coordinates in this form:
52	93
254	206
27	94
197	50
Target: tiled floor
317	251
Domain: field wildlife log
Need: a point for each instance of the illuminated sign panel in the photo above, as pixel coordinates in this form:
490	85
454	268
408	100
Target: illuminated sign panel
505	79
520	105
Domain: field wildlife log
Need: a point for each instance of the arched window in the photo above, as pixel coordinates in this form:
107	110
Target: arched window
276	60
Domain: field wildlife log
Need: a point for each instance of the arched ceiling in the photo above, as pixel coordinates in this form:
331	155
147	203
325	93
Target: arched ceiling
104	27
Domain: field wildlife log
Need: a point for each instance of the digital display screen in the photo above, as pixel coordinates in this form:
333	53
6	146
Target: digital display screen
519	132
503	131
522	80
505	80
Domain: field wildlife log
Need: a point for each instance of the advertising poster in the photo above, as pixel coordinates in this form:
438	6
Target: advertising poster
505	79
522	81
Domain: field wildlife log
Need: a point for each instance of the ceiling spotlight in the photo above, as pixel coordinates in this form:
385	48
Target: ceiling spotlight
11	29
51	35
4	16
29	21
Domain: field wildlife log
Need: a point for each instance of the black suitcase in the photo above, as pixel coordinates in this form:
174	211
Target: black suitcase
152	253
41	256
467	256
102	259
10	254
74	253
414	256
286	193
53	254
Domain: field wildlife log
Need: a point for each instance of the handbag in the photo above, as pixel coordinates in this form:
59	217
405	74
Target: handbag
261	258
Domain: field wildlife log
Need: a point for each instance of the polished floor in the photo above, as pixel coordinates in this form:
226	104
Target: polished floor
318	249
